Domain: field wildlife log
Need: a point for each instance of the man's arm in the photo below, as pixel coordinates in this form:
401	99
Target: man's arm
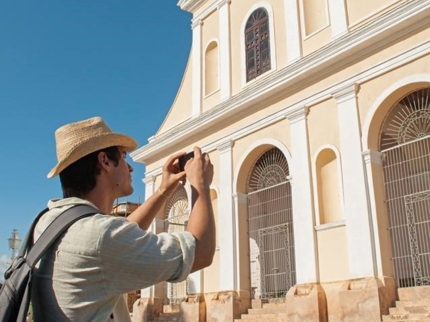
201	223
145	213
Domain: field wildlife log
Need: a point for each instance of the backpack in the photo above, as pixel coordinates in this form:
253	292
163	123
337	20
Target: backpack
16	292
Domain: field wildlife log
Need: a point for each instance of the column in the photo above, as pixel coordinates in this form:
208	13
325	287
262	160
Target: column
148	181
240	201
356	206
197	68
294	47
338	18
303	205
373	158
226	219
224	49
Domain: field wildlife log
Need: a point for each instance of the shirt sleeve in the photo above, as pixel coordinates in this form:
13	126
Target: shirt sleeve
131	258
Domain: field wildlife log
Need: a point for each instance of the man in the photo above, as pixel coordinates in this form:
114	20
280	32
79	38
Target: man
83	276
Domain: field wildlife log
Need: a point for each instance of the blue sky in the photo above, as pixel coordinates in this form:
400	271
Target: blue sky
63	61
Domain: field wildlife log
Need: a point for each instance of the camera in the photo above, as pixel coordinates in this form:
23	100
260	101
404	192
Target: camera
183	160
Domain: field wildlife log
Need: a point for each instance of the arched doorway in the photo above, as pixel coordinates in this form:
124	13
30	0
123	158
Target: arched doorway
177	214
404	142
270	227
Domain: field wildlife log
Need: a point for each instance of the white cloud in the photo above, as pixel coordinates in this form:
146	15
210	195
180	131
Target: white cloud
4	265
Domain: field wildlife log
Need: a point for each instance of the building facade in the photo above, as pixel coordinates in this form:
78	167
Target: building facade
316	116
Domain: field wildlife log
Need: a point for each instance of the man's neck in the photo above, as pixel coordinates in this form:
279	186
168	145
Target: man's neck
101	199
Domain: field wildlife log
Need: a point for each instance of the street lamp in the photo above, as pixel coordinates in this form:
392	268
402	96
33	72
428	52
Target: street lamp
14	242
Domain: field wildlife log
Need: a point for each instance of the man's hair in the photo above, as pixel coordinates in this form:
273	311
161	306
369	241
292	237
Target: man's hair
79	178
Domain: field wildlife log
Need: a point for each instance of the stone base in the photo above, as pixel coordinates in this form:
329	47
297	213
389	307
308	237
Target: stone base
145	309
306	303
358	300
226	306
193	309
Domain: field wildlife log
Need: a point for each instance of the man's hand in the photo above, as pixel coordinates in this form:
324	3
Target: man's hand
171	175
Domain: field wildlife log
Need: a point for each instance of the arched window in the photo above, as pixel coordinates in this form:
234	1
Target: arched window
211	68
257	44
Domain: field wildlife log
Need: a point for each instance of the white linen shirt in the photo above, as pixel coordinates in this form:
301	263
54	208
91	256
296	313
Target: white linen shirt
85	273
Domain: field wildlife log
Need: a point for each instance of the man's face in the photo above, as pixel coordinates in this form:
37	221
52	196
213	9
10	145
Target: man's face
121	176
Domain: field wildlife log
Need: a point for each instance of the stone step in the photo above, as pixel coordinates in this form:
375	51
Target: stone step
409	309
414	293
424	302
265	310
168	317
259	317
406	317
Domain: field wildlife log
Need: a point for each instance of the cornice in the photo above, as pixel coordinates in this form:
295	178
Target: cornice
190	5
225	146
394	25
297	115
346	93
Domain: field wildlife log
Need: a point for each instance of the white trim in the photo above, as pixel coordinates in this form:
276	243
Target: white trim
292	30
331	225
269	9
417	78
303	23
197	69
224	50
315	183
213	40
338	18
265	141
190	5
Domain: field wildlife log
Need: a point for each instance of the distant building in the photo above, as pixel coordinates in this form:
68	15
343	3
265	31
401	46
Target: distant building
316	116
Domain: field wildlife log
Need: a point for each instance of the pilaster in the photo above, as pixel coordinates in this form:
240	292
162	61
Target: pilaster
294	47
357	215
338	18
197	68
226	219
302	197
239	199
224	48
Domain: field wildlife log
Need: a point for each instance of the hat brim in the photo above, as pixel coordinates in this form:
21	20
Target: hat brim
93	144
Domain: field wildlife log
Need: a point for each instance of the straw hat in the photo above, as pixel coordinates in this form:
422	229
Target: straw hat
76	140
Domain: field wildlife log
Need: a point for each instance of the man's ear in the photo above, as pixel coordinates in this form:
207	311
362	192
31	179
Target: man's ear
103	161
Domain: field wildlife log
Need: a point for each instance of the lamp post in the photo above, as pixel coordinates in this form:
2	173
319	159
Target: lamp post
14	242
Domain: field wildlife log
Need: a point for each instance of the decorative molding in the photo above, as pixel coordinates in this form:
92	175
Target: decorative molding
297	115
392	26
222	3
330	225
372	156
346	93
149	179
196	23
190	5
240	198
225	146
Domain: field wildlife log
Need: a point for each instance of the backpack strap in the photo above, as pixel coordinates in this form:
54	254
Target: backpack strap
58	226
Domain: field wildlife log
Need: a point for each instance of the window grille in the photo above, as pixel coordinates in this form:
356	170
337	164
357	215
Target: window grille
177	213
257	44
270	225
405	147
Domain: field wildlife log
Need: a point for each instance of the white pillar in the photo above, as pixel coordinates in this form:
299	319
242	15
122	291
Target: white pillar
224	49
294	47
149	292
197	68
226	219
302	197
239	199
338	18
370	158
356	206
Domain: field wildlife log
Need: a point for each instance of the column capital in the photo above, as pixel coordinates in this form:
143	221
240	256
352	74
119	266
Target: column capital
148	180
346	93
225	146
196	23
372	157
298	114
240	198
222	3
